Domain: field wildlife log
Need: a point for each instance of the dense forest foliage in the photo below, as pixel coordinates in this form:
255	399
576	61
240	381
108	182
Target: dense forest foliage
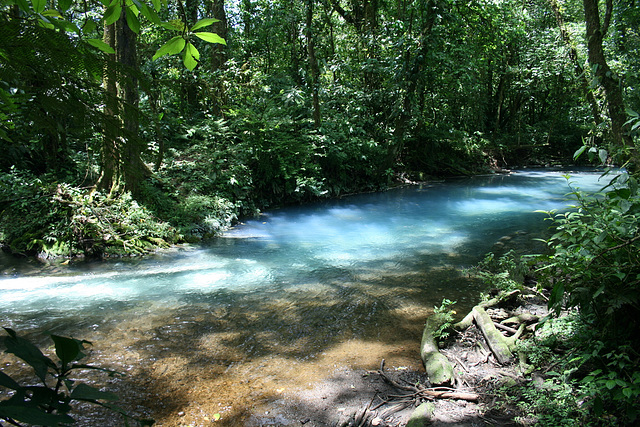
128	126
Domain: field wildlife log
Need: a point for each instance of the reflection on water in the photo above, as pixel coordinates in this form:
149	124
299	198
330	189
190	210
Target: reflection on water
282	300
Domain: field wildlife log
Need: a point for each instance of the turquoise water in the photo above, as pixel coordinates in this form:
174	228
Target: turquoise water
282	302
402	230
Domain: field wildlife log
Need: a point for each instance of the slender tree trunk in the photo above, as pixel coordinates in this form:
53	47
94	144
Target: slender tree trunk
577	66
313	64
606	77
417	62
218	54
110	152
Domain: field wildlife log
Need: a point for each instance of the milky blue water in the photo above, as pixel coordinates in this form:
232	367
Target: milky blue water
362	238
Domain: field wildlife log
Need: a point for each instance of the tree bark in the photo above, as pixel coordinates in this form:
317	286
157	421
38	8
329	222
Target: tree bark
605	76
110	159
121	148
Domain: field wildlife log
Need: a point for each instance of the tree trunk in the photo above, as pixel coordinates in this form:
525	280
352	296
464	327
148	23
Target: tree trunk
577	66
121	148
606	77
313	64
110	153
218	55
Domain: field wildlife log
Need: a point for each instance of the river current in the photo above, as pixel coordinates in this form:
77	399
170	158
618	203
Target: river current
283	300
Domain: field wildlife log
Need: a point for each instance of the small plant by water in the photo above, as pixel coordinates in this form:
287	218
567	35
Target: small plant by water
48	402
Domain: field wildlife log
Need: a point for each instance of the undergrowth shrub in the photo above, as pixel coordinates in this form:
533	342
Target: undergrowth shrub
49	219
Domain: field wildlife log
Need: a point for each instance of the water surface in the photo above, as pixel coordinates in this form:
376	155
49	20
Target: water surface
283	300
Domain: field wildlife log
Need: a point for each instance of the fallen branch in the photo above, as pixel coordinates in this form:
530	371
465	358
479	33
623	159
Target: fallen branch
495	340
468	320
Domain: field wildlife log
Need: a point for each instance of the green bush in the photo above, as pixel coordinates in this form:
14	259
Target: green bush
594	267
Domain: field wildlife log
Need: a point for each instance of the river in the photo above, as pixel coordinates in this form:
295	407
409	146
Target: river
284	300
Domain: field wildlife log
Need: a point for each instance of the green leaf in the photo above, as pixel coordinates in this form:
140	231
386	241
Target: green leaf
8	382
173	46
39	5
53	13
88	393
603	155
89	26
132	20
150	14
67	349
174	24
205	22
31	414
101	45
28	352
210	37
112	14
579	152
191	57
64	5
156	4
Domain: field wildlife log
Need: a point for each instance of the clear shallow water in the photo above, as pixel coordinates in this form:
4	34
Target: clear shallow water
281	302
401	230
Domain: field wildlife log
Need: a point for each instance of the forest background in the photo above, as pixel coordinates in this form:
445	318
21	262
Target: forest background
127	126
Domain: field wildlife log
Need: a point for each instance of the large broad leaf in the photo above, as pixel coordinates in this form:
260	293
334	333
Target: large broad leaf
64	5
29	353
101	45
205	22
112	14
173	46
88	393
132	20
33	415
67	349
39	5
191	57
8	382
150	14
210	37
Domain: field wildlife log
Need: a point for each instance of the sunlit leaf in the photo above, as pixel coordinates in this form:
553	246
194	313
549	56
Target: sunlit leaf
52	13
112	14
205	22
191	57
579	152
101	45
210	37
173	46
602	154
38	5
